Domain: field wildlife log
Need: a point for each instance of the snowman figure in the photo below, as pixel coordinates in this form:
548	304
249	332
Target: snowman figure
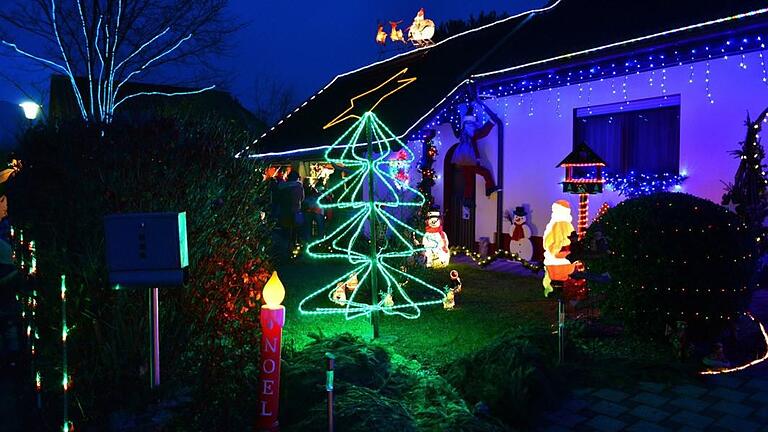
520	237
435	241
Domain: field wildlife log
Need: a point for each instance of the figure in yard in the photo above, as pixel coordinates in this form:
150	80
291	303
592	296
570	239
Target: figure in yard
467	155
520	237
314	215
291	195
435	241
557	246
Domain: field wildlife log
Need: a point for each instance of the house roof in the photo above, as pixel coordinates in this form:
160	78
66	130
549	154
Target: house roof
560	32
582	155
63	105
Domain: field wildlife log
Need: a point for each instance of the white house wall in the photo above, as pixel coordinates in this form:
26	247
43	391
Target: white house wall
536	138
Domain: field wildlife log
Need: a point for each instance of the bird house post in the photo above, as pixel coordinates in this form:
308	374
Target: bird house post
583	177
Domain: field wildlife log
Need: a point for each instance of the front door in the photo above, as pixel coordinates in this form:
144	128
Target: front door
459	213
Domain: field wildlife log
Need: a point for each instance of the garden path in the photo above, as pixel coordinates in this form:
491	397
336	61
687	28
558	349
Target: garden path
730	402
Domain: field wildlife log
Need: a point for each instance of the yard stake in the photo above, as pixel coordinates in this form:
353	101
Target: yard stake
329	387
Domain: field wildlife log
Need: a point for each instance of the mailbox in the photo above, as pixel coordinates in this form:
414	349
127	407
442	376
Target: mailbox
146	249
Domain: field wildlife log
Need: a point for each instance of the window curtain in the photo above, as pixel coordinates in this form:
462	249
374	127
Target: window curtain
646	141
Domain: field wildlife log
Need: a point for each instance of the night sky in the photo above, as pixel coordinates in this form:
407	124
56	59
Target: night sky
300	44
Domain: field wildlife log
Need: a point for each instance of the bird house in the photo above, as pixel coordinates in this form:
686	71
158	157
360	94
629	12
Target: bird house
583	171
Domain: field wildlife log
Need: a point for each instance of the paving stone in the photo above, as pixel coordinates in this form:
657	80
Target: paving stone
574	405
644	426
734	408
556	428
691	404
761	397
762	414
651	387
692	419
728	394
689	390
611	395
729	381
606	424
688	429
583	391
646	412
757	383
608	408
565	418
651	399
737	424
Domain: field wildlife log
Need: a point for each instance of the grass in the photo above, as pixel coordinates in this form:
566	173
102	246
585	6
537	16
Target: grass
491	303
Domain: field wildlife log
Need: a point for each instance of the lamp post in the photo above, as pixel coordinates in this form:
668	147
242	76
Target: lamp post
272	321
31	110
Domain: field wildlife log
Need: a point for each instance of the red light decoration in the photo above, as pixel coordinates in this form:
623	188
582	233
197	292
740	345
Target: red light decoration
583	157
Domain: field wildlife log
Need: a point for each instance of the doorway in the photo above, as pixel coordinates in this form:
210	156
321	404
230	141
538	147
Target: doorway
459	218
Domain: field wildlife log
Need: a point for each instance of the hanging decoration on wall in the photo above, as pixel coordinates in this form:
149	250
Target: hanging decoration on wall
369	100
467	154
635	184
422	30
557	246
370	238
747	193
428	175
520	236
435	241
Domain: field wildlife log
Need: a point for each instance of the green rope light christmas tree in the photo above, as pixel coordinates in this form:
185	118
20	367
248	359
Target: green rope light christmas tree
370	237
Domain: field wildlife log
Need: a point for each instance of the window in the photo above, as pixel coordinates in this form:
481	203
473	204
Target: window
641	136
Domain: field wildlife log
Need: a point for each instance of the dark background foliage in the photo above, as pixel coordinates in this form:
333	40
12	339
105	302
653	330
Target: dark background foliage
671	257
74	175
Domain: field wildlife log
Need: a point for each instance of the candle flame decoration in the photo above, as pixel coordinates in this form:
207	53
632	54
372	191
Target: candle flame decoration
274	292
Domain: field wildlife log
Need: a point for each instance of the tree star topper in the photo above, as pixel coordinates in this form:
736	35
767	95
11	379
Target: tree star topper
397	80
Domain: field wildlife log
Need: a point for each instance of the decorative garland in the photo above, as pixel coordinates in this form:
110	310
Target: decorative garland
428	174
498	255
635	184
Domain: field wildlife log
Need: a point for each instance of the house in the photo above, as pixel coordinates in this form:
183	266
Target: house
660	88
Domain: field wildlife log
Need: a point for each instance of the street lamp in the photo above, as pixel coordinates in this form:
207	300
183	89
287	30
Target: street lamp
31	109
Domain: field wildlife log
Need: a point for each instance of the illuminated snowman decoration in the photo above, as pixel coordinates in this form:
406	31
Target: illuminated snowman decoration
520	237
435	242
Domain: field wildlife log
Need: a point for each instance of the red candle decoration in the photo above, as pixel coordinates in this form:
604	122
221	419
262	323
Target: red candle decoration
272	321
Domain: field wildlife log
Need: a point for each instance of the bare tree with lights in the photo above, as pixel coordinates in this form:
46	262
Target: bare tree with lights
110	43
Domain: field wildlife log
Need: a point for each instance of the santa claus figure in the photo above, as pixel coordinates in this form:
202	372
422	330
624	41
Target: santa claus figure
557	246
520	237
435	241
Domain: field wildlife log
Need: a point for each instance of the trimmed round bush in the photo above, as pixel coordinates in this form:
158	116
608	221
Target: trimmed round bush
671	257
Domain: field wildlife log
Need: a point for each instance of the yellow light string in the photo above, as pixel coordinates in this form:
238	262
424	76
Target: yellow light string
744	366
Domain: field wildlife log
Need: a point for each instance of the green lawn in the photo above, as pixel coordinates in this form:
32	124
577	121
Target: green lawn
491	303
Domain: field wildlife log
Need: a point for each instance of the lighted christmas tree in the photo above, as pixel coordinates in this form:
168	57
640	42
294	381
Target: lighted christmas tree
748	195
374	242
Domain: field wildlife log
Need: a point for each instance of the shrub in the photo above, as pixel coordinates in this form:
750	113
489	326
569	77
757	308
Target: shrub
672	257
375	389
510	375
75	174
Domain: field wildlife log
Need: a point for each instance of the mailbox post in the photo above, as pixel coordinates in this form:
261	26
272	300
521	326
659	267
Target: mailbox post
147	250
